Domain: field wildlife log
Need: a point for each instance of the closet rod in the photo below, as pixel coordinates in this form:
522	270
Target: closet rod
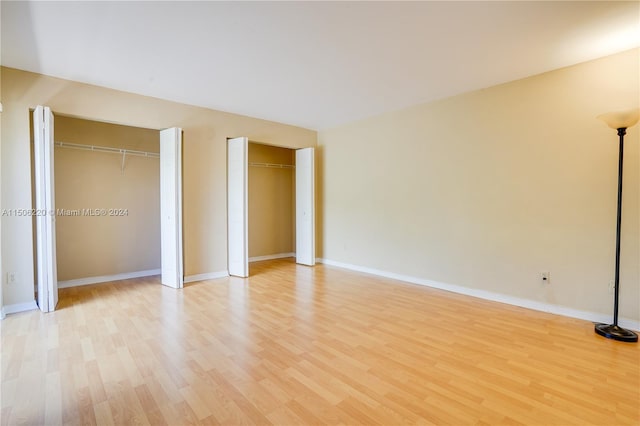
107	149
273	166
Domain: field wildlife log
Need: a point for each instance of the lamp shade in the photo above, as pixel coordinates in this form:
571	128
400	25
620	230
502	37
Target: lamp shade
621	119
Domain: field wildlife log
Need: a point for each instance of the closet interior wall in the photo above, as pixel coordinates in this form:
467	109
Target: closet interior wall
271	195
127	241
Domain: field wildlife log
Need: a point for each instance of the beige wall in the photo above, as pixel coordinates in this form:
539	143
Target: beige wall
486	189
271	201
90	246
204	157
89	132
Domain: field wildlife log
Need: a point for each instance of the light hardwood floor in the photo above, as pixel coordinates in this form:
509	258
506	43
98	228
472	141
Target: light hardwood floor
298	345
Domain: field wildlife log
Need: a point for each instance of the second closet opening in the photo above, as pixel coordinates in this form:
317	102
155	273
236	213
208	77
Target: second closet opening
272	203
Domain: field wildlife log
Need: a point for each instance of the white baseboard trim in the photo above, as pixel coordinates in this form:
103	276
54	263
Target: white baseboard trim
107	278
19	307
207	276
271	257
488	295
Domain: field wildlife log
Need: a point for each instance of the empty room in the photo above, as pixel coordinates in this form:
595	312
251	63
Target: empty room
310	213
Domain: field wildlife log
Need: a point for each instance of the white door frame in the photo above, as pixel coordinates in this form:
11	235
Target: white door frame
171	249
305	207
238	207
47	274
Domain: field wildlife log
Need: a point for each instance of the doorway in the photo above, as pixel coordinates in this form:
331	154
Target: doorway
117	211
271	197
278	219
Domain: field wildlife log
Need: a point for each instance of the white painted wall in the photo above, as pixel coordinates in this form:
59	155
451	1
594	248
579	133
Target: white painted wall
486	189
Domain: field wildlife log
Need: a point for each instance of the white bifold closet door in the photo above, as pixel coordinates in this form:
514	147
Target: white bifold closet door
305	207
171	207
237	206
47	274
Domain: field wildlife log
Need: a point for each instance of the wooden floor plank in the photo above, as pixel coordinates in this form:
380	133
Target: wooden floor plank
299	345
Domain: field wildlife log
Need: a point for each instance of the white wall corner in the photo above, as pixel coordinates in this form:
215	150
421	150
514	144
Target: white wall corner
487	295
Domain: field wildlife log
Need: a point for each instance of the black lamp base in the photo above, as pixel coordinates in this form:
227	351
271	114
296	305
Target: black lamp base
611	331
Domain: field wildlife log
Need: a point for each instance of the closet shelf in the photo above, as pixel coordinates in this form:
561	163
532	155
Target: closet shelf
273	166
107	149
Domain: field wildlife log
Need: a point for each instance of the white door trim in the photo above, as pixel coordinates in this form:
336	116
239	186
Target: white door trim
237	207
47	279
172	269
305	207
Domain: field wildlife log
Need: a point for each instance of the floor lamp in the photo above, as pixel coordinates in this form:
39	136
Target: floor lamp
619	121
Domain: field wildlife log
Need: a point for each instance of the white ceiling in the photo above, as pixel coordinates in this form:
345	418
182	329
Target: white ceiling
311	64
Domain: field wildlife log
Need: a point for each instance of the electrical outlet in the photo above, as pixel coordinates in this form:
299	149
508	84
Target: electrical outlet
545	277
612	286
11	277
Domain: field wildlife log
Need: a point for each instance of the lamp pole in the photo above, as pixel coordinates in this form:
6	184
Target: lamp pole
619	121
621	132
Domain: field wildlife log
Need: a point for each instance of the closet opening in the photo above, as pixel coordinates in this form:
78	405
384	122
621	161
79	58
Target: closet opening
106	192
270	204
271	197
